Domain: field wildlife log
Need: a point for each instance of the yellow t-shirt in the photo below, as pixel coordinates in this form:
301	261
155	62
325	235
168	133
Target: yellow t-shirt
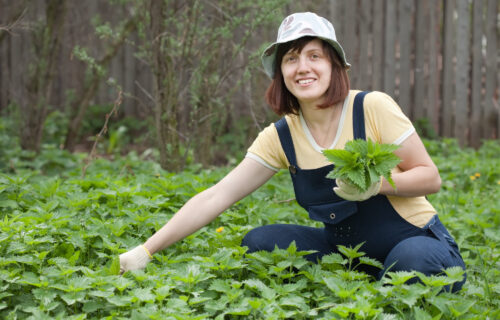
384	123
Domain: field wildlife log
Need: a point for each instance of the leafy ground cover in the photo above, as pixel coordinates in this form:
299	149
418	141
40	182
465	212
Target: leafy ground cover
60	236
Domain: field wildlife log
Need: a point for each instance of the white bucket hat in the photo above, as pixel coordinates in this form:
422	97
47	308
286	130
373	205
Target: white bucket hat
300	25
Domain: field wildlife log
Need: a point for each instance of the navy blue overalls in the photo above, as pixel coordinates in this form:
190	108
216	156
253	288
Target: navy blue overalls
386	235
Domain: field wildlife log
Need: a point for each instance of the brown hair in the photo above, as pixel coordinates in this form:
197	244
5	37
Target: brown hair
284	102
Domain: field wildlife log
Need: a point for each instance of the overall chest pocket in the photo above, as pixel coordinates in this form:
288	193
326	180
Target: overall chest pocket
334	212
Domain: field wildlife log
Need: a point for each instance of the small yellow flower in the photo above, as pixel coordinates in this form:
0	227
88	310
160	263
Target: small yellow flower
219	229
477	174
473	178
498	182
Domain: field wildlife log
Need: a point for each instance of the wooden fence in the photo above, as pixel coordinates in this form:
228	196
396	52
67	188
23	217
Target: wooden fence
438	59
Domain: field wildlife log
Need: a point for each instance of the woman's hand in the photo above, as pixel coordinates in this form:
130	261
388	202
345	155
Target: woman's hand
349	192
134	259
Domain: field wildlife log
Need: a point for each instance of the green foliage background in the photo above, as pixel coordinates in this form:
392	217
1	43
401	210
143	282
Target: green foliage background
60	237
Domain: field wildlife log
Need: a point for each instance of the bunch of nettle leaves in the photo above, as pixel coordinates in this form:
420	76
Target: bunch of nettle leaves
362	163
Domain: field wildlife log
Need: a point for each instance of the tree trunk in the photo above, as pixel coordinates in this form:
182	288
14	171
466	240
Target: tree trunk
165	90
47	41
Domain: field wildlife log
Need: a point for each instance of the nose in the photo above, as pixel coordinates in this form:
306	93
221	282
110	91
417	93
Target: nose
303	65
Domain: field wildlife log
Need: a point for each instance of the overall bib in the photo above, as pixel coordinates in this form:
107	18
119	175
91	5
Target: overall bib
386	235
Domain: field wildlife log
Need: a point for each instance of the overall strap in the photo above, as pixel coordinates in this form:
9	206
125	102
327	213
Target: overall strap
286	141
358	116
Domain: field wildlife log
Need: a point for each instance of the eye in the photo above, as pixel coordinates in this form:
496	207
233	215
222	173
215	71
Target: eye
315	56
290	58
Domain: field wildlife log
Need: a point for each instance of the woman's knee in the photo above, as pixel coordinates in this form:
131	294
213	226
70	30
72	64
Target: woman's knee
411	254
423	254
256	239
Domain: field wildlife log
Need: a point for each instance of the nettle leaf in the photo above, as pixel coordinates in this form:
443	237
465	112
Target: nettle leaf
410	297
399	277
220	285
162	292
91	306
421	314
371	262
434	280
455	273
120	301
73	297
363	162
351	253
340	157
121	283
292	287
143	294
294	301
461	307
265	291
358	177
387	316
43	295
114	268
333	258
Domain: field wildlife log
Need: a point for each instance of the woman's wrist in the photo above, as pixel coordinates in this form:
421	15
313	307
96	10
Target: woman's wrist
147	251
386	188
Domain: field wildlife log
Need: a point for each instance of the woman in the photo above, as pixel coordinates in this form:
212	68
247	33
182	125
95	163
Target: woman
310	86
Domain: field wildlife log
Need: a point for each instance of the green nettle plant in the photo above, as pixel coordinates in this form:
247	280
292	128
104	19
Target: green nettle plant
60	237
363	162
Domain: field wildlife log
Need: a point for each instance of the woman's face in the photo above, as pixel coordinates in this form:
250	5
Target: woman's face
307	74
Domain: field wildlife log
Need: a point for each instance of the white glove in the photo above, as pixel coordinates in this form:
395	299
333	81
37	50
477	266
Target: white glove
350	192
134	259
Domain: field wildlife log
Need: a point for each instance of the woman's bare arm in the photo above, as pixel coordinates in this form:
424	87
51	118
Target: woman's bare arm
419	175
207	205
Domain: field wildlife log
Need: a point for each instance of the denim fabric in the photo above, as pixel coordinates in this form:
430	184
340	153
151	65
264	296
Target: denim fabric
282	235
425	253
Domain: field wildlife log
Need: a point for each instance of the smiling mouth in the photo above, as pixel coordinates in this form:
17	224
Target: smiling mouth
305	81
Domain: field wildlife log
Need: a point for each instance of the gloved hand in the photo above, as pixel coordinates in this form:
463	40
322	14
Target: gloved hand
134	259
348	191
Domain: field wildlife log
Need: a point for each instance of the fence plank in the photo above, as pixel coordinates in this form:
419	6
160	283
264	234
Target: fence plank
4	75
336	15
16	83
4	56
421	33
462	71
448	65
434	75
491	108
349	29
405	14
128	81
389	48
378	36
364	37
476	103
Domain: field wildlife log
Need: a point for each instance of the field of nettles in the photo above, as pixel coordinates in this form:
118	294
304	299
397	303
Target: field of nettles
61	234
